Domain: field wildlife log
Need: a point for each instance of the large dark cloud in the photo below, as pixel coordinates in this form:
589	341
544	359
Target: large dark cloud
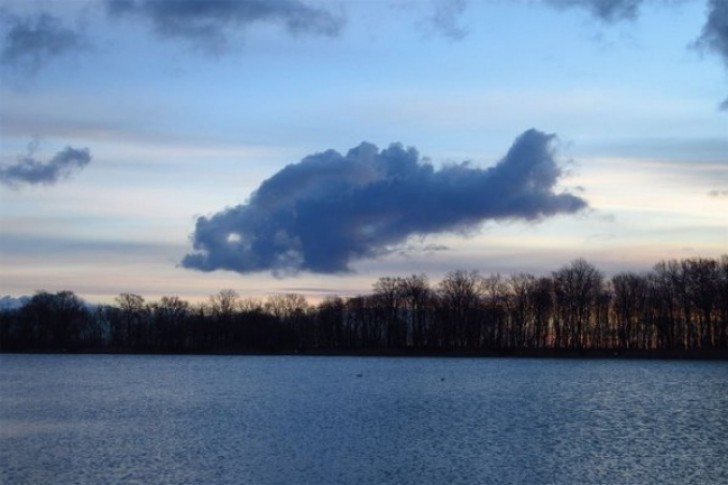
330	209
29	171
211	23
30	42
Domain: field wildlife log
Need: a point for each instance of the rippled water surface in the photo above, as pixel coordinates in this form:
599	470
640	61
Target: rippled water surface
338	420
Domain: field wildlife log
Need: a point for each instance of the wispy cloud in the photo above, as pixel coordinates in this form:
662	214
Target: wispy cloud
330	209
32	41
714	36
718	193
606	10
715	33
212	24
715	30
30	171
446	16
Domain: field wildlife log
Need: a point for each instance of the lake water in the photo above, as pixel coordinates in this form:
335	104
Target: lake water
340	420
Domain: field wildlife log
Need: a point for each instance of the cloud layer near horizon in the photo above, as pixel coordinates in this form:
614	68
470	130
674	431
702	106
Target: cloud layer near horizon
328	210
30	171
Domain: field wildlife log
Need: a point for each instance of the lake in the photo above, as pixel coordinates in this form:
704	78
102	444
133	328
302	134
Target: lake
92	419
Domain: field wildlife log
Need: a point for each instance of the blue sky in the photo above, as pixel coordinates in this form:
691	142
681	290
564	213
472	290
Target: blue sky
185	116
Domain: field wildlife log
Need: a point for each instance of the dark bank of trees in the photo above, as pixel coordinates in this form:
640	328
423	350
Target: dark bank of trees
678	308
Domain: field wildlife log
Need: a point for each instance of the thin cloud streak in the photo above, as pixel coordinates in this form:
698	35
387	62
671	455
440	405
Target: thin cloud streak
30	171
718	193
323	213
212	24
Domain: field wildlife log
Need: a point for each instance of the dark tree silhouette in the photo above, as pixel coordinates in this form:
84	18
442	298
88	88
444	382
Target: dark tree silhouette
576	288
680	307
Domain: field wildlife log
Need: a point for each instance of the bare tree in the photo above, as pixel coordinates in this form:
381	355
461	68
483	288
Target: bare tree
168	317
522	324
417	302
132	310
224	303
388	297
630	299
291	310
494	327
576	288
459	296
329	323
285	306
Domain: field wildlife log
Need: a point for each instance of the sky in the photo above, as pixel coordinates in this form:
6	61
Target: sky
181	147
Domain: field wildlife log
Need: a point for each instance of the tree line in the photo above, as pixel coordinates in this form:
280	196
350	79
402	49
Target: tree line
678	306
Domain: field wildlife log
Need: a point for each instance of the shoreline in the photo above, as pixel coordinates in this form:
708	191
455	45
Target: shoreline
677	354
